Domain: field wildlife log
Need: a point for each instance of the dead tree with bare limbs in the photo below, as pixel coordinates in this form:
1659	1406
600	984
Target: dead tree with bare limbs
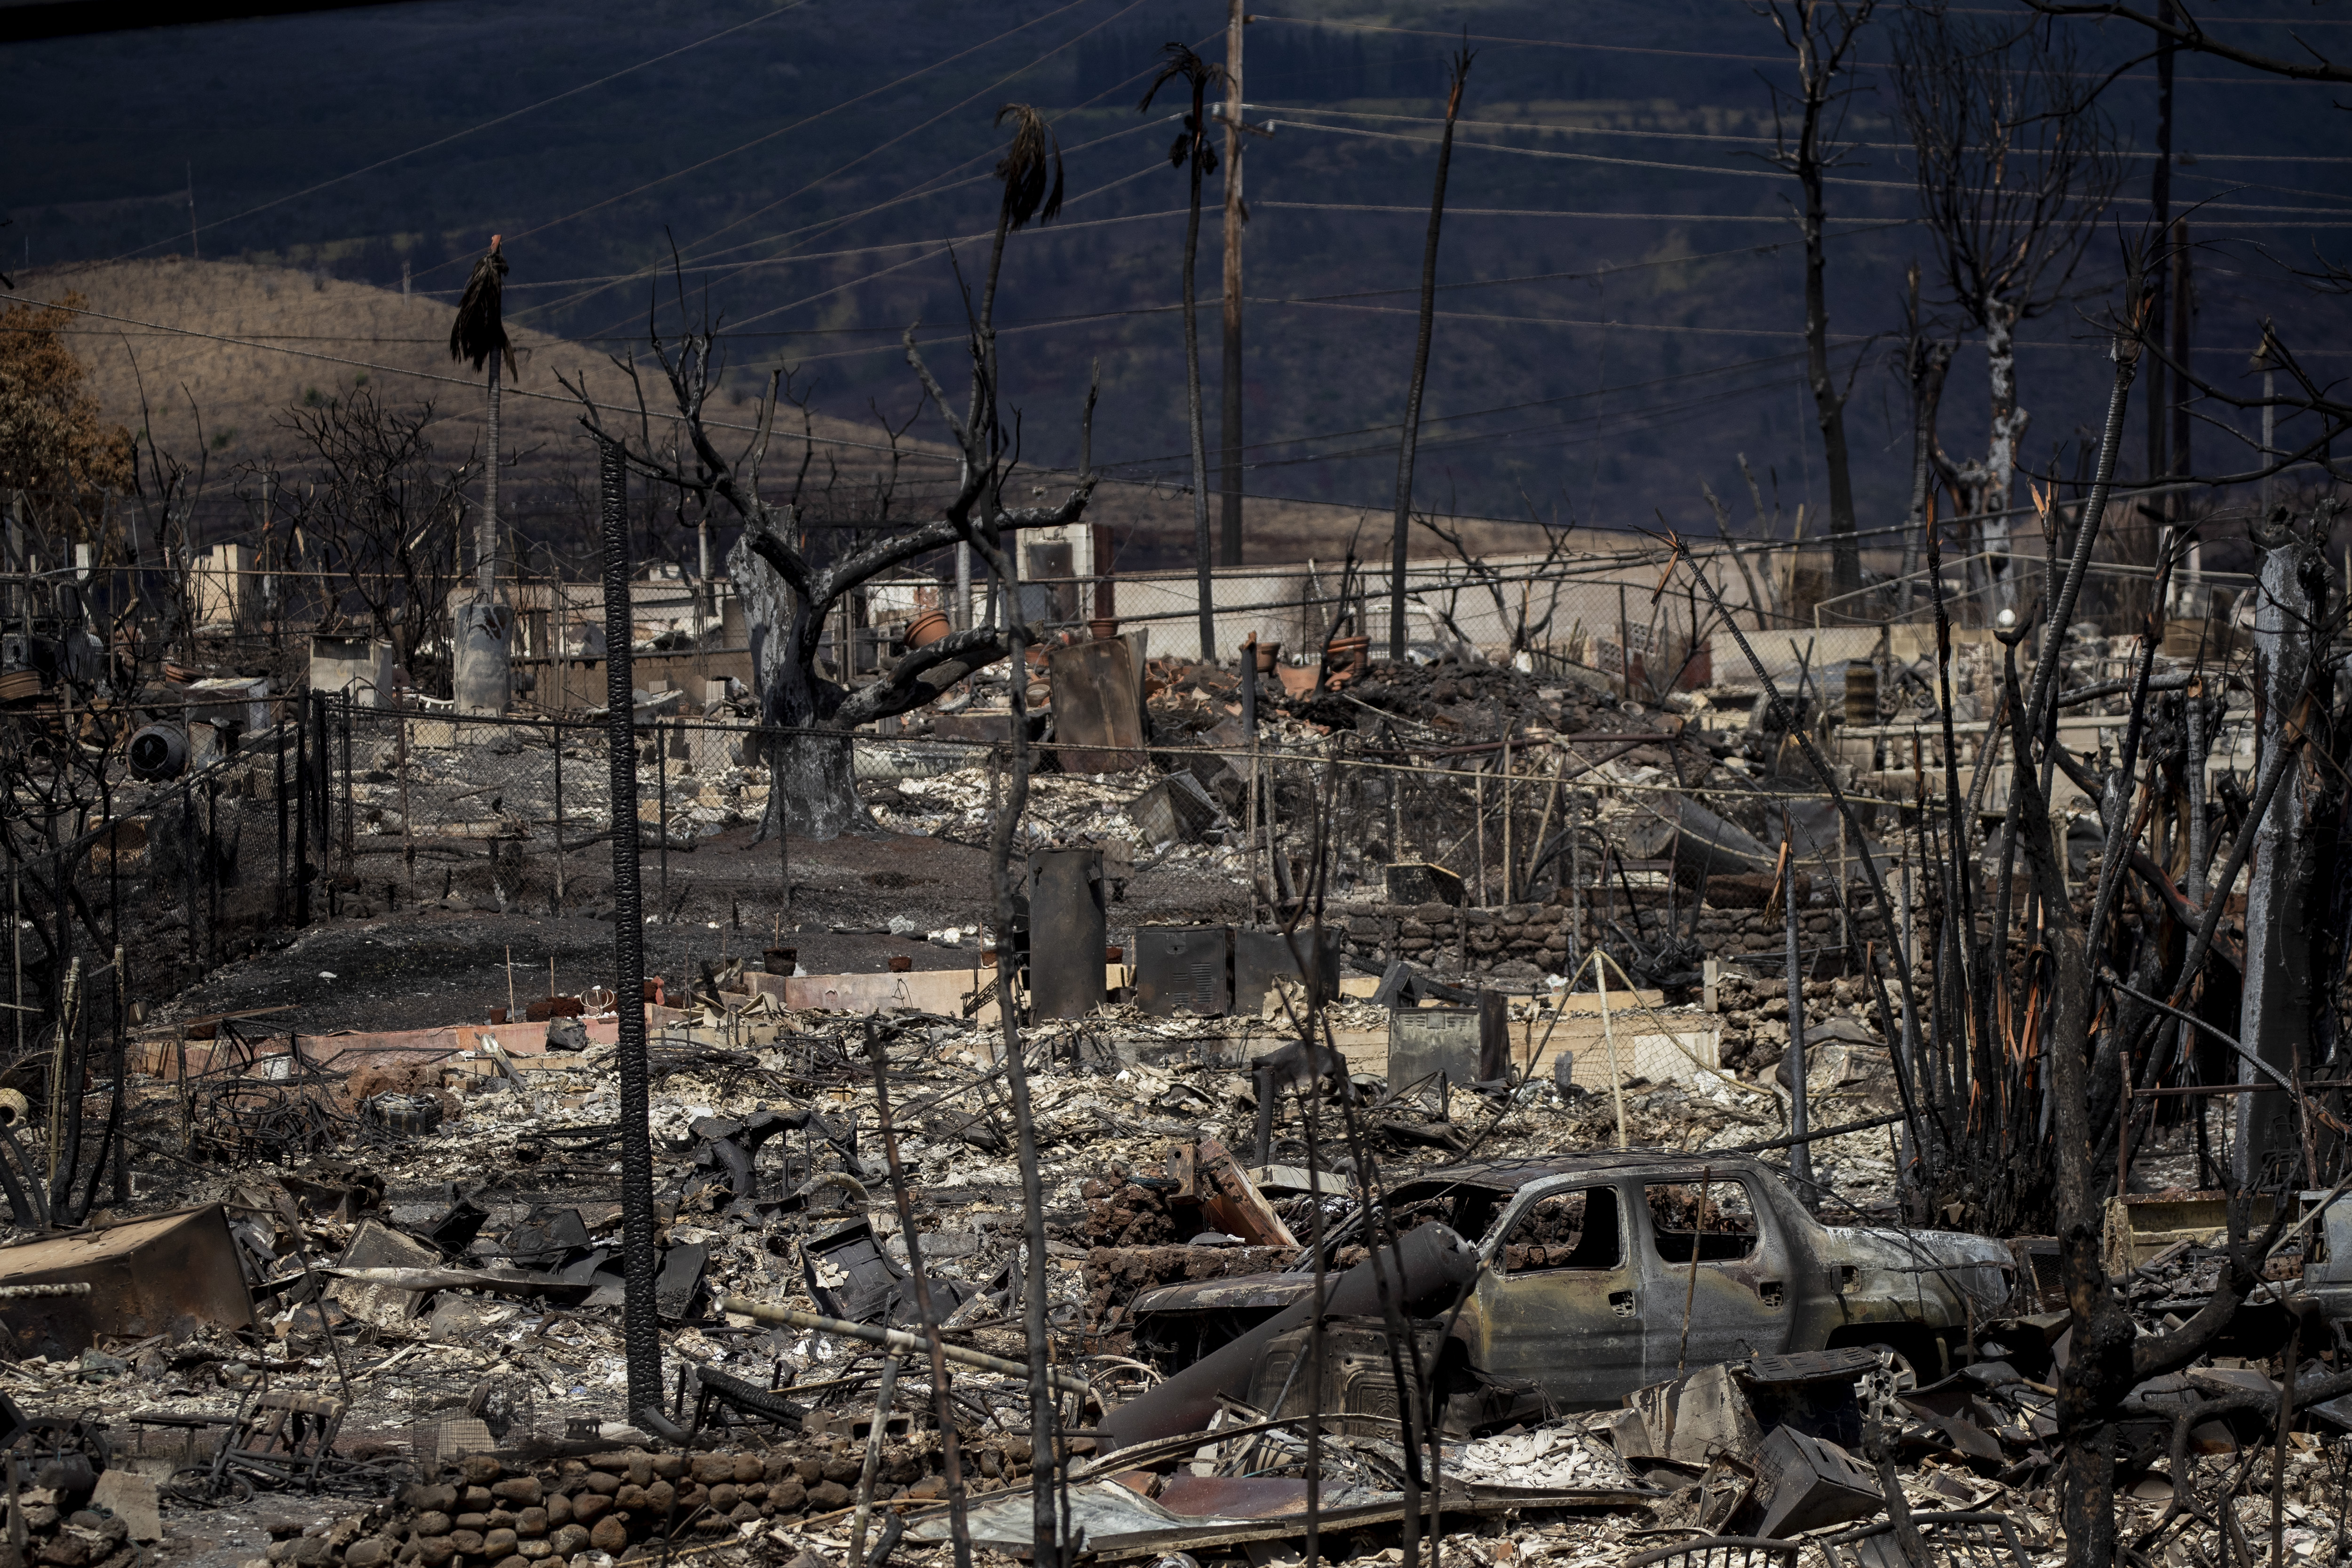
789	590
1808	128
2016	163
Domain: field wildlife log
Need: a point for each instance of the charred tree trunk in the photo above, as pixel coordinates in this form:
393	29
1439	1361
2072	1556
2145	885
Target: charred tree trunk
1829	403
2282	902
1931	360
1201	541
812	782
1411	437
2008	428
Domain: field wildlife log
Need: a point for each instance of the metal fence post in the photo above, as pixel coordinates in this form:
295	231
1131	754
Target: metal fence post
555	733
188	860
350	843
661	786
325	774
212	873
407	826
302	814
641	1331
280	759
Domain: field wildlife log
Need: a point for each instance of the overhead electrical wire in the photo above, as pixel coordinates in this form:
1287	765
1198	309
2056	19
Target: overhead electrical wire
766	136
1679	53
1906	185
2192	157
835	173
491	123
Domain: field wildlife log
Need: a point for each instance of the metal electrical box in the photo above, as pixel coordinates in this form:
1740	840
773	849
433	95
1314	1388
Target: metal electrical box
1069	933
1467	1045
1184	966
1263	957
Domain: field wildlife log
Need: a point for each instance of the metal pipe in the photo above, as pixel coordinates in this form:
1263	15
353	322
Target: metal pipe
1430	1263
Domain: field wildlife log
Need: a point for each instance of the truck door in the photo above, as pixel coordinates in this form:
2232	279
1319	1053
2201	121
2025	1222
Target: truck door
1560	1304
1739	1299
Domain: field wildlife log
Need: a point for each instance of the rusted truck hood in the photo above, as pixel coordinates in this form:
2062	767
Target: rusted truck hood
1929	1277
1247	1292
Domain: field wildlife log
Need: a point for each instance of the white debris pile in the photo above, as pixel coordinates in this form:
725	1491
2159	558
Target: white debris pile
1556	1458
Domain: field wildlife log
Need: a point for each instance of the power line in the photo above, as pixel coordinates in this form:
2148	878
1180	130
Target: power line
1031	323
1742	173
1550	126
832	224
1059	227
473	129
1452	211
781	130
1685	54
842	169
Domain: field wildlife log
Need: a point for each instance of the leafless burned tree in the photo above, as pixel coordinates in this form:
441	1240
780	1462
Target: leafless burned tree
1809	129
379	514
2016	164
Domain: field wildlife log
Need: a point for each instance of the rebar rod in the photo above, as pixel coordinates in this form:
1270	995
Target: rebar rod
641	1331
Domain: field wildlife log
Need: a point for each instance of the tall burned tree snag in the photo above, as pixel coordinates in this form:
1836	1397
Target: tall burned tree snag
2294	691
2016	164
1194	154
789	593
1823	36
484	661
1927	361
1410	441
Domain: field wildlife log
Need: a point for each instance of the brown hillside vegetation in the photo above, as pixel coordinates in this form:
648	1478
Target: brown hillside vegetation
304	337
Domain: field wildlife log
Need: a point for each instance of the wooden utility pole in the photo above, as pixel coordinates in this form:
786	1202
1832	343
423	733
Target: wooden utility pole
1229	467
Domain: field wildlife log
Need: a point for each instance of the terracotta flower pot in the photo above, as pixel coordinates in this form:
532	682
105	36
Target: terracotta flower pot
901	964
1269	654
926	628
1103	627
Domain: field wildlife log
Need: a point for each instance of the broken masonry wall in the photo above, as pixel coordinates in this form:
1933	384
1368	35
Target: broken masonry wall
1439	935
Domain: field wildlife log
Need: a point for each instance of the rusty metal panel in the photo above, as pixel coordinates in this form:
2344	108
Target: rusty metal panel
1068	930
1184	966
1097	707
1235	1496
1263	957
146	1276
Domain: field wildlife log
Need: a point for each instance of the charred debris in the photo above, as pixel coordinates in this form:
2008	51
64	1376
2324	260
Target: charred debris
1623	1097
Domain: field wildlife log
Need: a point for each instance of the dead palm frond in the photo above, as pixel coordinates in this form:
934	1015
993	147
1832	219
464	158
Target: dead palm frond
1199	76
480	329
1030	169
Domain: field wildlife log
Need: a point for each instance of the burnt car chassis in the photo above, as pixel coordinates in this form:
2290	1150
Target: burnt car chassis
1566	1283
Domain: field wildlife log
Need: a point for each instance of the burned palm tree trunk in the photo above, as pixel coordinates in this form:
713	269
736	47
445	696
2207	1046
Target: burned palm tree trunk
1192	152
483	665
1032	172
640	1329
1411	438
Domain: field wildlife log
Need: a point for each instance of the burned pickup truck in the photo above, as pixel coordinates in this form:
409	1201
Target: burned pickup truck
1571	1281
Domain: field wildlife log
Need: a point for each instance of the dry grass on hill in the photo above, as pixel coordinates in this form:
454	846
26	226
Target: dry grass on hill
299	331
